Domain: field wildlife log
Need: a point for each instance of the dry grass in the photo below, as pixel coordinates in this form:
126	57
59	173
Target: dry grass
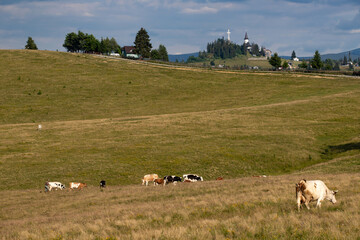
245	208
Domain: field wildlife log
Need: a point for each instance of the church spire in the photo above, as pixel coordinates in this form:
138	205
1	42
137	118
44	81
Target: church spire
246	39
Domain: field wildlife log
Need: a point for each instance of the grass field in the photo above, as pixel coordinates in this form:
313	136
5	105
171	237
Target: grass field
118	120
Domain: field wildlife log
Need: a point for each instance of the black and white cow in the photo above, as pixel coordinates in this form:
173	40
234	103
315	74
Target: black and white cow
53	185
171	179
192	178
102	184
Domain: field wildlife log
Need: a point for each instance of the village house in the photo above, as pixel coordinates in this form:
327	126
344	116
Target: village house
129	52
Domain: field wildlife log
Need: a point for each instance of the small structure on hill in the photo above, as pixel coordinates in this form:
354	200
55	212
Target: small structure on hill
129	52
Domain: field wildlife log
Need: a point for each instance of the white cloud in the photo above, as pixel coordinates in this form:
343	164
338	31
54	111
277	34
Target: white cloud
201	10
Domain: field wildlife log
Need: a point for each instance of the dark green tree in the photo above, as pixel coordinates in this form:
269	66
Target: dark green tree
105	46
255	49
163	53
114	46
293	55
275	61
90	44
285	65
154	54
328	64
71	42
345	61
30	44
303	64
316	62
142	43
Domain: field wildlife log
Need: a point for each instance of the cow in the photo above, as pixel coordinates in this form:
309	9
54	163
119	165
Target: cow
314	190
192	177
102	184
76	185
171	179
149	178
53	185
159	181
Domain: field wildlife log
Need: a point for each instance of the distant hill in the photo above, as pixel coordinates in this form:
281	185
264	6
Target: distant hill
334	56
181	57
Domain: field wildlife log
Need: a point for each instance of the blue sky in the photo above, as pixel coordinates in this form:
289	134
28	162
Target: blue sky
186	26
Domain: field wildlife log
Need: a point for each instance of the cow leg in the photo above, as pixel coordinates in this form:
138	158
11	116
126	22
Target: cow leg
143	181
147	183
307	204
318	204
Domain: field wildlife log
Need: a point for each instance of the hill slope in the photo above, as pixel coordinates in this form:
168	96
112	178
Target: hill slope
118	120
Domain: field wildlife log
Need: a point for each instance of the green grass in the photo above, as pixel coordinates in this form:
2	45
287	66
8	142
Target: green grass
119	120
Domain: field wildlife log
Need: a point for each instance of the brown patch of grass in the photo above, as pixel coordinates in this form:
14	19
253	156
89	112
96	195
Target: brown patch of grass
250	208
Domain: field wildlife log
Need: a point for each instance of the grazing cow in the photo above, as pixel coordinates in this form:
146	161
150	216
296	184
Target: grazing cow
53	185
315	190
102	184
192	177
149	178
220	178
171	179
75	185
159	181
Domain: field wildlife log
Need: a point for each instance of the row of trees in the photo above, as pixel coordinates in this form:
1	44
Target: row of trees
314	63
87	43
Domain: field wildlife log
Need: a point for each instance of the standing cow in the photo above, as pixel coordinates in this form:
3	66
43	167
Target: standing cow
53	185
192	178
149	178
76	185
171	179
314	190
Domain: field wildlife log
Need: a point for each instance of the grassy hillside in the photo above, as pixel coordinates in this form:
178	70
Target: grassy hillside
246	208
119	120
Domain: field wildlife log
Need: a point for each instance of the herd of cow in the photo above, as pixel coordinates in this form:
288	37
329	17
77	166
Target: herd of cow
306	191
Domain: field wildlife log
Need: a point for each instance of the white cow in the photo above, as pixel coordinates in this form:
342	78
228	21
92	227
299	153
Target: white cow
54	185
149	178
314	190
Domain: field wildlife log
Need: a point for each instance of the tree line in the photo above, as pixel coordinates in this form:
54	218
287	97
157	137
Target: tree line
315	63
87	43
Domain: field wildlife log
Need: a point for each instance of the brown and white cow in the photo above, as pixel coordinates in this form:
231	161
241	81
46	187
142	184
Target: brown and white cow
149	178
76	185
314	190
159	181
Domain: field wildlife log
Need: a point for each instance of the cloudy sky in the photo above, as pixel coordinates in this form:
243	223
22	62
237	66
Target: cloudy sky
186	26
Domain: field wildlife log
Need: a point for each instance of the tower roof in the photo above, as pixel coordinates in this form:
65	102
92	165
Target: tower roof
246	36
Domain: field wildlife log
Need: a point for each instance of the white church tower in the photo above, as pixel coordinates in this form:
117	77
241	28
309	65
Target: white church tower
228	33
246	39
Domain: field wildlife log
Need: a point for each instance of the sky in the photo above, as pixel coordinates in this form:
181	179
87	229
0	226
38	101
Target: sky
186	26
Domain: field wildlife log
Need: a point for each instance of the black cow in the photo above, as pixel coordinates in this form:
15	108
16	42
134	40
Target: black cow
192	178
171	179
102	184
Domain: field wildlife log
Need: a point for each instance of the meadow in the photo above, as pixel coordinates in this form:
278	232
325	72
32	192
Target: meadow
117	120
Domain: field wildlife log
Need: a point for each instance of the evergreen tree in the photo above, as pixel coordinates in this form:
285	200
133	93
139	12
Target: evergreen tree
142	43
154	54
316	62
30	44
293	55
345	61
163	53
303	64
275	61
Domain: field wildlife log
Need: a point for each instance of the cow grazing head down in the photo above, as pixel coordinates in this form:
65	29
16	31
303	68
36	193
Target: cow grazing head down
331	196
314	190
